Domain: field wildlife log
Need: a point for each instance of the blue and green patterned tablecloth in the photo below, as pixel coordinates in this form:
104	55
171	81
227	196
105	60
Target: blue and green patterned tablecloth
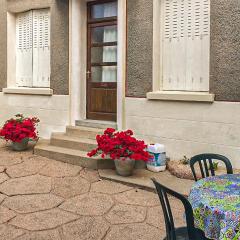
216	206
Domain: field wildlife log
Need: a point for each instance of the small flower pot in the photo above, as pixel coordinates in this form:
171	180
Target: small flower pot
20	146
124	167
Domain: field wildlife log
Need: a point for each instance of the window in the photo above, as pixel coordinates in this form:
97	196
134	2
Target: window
33	48
185	40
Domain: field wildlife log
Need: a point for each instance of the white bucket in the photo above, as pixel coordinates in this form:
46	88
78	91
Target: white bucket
157	163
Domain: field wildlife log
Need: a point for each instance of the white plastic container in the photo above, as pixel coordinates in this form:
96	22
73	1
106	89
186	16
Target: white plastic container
157	163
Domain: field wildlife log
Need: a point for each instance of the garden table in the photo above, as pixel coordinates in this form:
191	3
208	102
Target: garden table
216	206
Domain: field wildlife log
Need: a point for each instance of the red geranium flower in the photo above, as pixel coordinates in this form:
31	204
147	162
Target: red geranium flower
120	145
18	128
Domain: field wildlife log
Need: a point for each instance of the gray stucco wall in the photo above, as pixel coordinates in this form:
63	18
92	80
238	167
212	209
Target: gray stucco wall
3	45
139	47
59	39
225	50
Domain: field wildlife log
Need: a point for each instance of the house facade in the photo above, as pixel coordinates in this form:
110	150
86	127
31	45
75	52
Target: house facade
167	69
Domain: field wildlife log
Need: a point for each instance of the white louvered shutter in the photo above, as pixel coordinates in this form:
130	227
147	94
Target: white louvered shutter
24	49
41	48
185	44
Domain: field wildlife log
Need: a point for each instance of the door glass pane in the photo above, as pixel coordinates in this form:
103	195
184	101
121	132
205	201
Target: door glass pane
104	54
104	74
104	10
104	34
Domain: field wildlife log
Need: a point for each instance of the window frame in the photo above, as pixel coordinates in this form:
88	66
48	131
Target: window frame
32	85
157	66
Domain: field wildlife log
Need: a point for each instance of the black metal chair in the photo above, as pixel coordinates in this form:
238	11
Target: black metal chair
184	233
206	166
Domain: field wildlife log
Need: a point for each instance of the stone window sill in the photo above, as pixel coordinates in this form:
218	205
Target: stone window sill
181	96
28	91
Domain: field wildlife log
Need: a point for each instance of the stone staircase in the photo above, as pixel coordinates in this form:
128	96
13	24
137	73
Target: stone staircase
73	145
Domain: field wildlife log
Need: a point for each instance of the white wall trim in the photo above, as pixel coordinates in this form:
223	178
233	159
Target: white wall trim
28	91
69	62
122	41
157	83
78	53
78	56
11	50
181	96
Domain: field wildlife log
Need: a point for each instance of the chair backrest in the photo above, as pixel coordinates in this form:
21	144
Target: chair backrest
206	166
163	193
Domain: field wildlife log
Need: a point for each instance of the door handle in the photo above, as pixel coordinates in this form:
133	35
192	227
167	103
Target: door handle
88	74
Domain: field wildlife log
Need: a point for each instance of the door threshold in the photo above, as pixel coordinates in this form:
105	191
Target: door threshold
96	123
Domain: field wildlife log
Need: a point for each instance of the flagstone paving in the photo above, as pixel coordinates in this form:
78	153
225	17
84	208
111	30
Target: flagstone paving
32	203
68	187
42	199
26	185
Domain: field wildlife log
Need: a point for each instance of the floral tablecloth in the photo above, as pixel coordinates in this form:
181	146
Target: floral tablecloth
216	206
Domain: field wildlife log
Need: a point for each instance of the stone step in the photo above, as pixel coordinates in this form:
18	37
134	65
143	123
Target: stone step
72	156
142	178
72	142
76	157
83	132
96	124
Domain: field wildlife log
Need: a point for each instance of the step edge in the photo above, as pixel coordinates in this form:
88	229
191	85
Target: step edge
101	125
51	148
83	128
76	139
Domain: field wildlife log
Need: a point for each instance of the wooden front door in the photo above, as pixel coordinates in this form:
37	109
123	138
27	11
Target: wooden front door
102	60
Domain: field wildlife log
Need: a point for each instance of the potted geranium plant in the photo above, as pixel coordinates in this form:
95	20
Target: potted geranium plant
121	147
20	130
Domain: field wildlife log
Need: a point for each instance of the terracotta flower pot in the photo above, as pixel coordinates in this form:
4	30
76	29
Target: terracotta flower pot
20	146
124	167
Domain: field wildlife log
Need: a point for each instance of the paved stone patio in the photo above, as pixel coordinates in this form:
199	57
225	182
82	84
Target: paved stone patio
42	199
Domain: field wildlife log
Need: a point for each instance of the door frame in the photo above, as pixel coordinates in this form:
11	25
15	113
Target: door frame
78	60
